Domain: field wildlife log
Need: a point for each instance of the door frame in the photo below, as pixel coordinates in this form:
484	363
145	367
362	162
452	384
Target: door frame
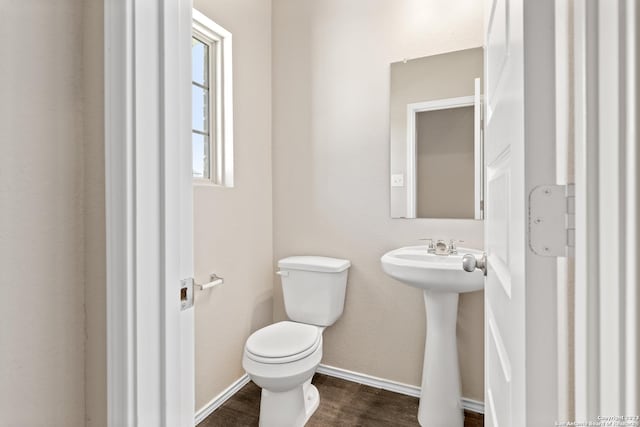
607	168
147	115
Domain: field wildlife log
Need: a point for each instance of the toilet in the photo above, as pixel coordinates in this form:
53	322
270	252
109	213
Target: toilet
282	358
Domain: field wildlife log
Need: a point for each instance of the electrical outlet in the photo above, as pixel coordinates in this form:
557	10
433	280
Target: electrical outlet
397	180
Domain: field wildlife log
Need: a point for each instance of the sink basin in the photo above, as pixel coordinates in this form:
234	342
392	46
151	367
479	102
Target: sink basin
414	266
441	279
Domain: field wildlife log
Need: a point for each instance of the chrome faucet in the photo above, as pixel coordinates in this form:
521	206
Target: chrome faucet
441	247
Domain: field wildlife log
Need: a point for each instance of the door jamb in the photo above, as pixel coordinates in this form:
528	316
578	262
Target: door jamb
607	341
144	116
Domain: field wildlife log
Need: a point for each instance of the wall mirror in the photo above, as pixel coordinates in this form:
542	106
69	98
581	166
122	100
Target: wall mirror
436	155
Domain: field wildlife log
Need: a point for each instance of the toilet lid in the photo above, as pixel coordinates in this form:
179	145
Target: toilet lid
283	340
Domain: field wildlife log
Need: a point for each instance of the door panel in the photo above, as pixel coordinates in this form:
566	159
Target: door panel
498	44
497	229
499	375
505	239
520	288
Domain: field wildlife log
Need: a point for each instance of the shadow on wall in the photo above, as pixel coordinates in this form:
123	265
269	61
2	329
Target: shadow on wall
262	309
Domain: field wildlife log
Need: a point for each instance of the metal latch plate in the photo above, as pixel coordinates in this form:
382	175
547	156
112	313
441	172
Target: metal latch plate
551	217
186	293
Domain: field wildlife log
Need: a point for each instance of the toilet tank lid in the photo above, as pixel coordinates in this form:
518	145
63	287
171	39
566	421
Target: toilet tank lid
314	263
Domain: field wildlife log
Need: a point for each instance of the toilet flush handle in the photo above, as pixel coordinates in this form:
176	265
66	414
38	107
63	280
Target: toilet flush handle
282	273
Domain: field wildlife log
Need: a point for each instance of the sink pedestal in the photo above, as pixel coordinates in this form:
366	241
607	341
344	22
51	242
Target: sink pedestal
440	399
442	279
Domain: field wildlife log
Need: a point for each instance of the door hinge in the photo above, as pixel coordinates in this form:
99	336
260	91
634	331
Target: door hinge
552	220
186	293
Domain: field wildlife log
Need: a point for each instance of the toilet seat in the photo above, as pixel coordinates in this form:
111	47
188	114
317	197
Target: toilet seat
283	342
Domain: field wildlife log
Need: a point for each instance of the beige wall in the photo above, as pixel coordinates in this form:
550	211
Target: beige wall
41	216
233	226
331	170
441	76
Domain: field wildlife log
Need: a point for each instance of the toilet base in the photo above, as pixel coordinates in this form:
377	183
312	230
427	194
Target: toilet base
312	399
291	408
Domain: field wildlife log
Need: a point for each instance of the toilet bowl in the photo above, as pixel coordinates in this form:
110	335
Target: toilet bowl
281	358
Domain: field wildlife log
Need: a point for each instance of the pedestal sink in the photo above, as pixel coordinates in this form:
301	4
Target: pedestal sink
442	279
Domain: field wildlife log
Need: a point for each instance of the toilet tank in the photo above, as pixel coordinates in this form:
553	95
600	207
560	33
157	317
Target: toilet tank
314	288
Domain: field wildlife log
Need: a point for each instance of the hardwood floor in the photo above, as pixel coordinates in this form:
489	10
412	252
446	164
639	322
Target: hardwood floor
342	404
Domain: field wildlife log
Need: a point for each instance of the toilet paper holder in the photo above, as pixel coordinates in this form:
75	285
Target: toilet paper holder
214	280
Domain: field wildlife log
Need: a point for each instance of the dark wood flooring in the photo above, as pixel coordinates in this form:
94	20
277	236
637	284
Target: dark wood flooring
342	404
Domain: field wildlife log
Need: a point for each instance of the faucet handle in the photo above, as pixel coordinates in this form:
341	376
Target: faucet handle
453	245
429	241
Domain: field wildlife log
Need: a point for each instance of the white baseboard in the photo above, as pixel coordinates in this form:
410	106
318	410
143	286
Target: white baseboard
396	387
472	405
357	377
217	401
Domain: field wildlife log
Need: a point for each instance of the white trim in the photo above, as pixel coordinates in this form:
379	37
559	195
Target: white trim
478	152
184	207
369	380
610	205
438	104
221	398
563	125
389	385
632	247
586	254
208	27
441	104
120	257
606	207
472	405
148	345
617	174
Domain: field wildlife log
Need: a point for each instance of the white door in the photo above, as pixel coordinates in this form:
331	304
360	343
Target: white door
520	294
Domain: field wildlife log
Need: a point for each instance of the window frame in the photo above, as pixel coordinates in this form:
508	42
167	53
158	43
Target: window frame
211	87
219	41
